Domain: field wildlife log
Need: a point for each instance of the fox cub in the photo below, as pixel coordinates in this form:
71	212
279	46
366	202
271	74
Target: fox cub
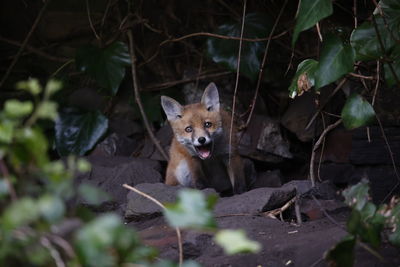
199	153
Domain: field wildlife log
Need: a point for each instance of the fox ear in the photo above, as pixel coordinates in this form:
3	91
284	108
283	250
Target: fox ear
171	107
210	97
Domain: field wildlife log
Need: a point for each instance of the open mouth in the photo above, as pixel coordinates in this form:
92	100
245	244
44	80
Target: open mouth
204	151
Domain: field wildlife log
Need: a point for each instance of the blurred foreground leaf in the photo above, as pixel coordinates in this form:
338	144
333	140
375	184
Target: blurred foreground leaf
192	210
236	241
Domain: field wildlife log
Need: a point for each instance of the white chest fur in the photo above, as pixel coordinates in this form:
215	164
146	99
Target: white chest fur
183	173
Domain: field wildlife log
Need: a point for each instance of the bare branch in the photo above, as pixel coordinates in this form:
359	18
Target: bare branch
237	80
25	42
137	96
263	64
316	146
158	203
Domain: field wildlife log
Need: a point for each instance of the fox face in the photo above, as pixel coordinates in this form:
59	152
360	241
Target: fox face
196	126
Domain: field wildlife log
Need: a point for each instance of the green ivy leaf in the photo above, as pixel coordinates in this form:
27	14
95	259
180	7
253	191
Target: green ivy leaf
32	86
365	42
77	132
105	241
342	254
105	65
236	241
354	222
20	212
357	195
391	9
47	110
336	60
225	51
6	131
51	207
306	67
310	12
357	112
52	87
18	109
92	195
83	165
30	146
192	210
395	61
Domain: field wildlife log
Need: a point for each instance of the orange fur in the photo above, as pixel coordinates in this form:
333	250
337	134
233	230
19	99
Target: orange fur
186	167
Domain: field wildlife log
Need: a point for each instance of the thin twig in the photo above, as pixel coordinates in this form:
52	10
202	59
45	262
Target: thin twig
178	231
25	42
330	218
6	175
391	158
90	21
361	76
62	243
264	60
210	35
137	95
377	82
103	20
165	85
53	252
279	211
319	32
316	146
370	250
236	82
233	11
297	211
322	150
338	87
62	67
198	73
355	13
34	50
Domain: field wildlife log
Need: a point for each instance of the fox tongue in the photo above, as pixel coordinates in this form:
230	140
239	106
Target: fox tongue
204	152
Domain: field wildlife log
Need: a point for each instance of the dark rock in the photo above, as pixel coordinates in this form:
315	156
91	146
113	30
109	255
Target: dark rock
271	140
87	99
254	201
139	207
375	151
314	209
262	140
125	126
249	172
337	148
301	186
164	136
268	179
297	116
117	145
383	179
110	173
339	174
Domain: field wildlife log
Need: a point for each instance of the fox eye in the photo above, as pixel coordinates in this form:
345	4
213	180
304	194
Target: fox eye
207	124
189	129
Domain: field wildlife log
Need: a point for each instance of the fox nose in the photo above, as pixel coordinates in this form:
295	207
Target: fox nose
201	140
